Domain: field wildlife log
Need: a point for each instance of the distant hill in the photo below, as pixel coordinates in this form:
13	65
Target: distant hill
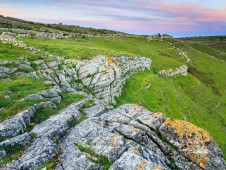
9	22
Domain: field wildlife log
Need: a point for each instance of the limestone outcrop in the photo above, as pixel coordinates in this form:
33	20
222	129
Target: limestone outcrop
128	137
104	76
182	70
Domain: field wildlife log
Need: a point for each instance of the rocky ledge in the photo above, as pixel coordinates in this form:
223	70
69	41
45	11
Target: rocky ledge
128	137
105	76
182	70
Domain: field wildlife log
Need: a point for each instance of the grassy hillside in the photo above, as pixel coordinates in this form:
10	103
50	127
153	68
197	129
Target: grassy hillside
161	53
199	98
10	52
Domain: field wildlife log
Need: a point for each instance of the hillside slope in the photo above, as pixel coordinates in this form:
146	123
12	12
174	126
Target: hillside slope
57	88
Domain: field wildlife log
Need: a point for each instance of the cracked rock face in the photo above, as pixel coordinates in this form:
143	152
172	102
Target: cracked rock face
195	143
106	76
128	137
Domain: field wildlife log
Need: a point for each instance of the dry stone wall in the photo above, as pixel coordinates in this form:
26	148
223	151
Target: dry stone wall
182	70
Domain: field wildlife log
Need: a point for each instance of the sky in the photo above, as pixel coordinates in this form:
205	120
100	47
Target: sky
179	18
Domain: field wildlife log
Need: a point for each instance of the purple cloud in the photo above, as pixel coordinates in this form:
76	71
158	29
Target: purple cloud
134	16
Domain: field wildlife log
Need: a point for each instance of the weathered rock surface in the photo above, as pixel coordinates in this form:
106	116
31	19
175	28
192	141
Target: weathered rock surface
19	122
193	142
130	137
58	124
20	140
182	70
42	150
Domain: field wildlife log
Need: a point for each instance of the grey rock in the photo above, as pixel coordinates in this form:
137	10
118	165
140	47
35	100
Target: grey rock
58	124
4	70
18	123
26	66
182	70
21	140
96	110
35	97
2	154
49	93
73	159
38	62
41	151
133	160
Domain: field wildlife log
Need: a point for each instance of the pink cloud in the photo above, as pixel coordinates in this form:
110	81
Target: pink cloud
187	11
136	15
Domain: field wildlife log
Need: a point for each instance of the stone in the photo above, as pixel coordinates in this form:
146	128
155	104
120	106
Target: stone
133	160
41	151
18	123
21	140
96	110
73	159
182	70
58	124
195	143
2	154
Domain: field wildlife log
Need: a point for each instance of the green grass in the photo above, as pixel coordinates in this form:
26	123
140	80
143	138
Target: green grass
209	50
88	104
45	113
99	158
78	48
13	153
13	92
10	52
49	166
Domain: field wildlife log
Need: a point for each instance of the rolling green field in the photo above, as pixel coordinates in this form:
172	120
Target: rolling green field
199	98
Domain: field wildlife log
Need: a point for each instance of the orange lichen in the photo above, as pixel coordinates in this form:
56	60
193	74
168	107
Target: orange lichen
142	165
110	60
156	167
192	139
185	128
194	156
202	162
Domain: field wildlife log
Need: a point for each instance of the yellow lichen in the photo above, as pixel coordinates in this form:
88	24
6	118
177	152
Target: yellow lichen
142	165
114	142
194	156
185	128
110	60
156	167
202	162
193	140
